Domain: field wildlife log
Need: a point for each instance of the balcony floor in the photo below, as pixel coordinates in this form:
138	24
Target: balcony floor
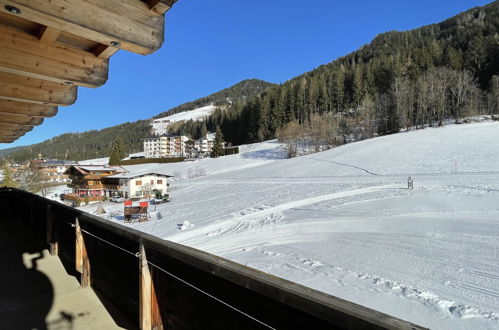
37	293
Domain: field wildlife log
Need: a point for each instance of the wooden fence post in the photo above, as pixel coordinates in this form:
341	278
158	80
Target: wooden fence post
32	216
150	316
82	263
51	232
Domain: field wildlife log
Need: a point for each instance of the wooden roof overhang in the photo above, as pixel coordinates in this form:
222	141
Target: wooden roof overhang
50	47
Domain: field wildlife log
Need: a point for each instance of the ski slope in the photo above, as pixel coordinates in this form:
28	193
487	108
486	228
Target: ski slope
160	125
343	221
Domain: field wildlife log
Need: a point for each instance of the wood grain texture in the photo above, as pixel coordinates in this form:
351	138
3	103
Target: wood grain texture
129	22
25	55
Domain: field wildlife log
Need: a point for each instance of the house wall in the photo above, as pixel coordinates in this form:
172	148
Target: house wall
134	188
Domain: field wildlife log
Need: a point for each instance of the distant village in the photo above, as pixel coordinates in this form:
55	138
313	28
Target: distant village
94	183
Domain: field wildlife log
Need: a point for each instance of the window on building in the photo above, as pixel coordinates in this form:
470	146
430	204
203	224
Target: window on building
160	181
152	181
138	182
138	193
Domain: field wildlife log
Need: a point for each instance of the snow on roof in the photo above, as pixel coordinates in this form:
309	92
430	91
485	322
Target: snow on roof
131	175
137	154
96	161
96	168
57	163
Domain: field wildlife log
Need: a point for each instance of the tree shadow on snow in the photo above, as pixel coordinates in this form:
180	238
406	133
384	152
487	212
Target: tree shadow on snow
276	153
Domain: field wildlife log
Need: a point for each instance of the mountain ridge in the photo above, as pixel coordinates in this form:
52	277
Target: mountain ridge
97	143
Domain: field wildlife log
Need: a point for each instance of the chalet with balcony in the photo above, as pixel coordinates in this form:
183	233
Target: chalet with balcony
87	182
52	171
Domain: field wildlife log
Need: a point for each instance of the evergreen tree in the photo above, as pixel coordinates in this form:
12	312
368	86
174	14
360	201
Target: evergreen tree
117	151
218	149
7	176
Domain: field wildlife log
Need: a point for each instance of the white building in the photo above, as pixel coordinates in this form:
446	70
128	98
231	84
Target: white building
165	146
201	147
131	184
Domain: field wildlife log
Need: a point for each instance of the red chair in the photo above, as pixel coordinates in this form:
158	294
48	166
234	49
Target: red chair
143	214
128	203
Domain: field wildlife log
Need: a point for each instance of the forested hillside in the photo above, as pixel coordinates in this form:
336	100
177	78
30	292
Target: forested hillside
97	143
401	79
87	145
237	94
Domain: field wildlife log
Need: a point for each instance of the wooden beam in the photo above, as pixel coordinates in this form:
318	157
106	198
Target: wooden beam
27	109
81	259
128	22
49	34
11	136
20	120
11	133
15	128
19	88
103	51
150	316
25	55
160	6
52	231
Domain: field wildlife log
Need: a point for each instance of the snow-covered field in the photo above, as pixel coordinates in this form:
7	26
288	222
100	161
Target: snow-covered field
159	125
343	221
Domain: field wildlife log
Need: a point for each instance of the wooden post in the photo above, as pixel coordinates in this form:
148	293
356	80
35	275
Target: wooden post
51	232
32	215
150	316
82	263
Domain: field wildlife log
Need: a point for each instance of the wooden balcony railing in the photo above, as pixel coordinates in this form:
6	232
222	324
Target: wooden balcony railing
159	284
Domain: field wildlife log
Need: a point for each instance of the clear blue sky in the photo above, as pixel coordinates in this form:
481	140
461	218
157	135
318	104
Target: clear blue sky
211	45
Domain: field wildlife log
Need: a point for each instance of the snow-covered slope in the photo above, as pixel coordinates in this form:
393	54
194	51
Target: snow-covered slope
160	125
344	222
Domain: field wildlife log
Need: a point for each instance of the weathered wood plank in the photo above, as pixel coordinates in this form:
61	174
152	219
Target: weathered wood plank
19	88
51	231
49	34
8	132
150	316
78	247
82	263
15	128
20	120
27	109
9	135
160	6
129	22
25	55
103	51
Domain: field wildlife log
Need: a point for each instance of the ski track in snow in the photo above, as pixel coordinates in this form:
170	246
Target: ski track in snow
243	220
381	284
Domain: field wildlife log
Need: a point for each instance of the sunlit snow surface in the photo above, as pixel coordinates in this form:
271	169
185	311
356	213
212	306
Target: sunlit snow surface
160	125
343	222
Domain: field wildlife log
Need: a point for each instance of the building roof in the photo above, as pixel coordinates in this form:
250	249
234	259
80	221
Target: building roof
86	169
57	163
131	175
48	51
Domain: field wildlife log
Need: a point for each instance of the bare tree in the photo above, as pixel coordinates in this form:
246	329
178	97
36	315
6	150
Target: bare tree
146	190
289	135
461	90
367	116
403	99
493	96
